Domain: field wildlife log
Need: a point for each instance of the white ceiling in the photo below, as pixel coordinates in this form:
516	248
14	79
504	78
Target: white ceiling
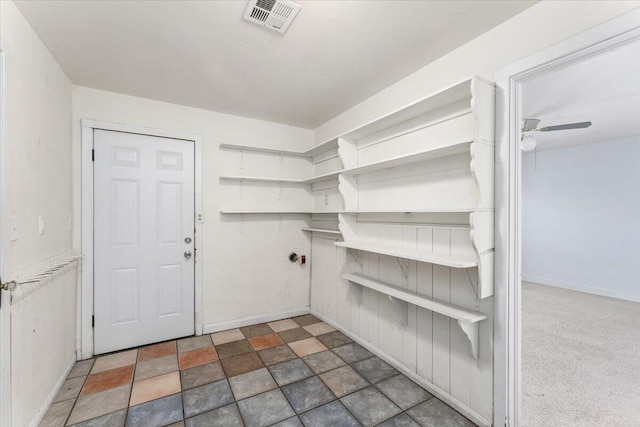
604	90
204	54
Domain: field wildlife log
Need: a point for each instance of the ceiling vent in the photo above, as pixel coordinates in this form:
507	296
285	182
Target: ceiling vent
274	14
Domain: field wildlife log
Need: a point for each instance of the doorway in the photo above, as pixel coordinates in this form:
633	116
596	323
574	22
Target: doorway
141	231
605	38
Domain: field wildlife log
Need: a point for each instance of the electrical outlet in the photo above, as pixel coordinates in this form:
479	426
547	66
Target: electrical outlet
326	199
40	224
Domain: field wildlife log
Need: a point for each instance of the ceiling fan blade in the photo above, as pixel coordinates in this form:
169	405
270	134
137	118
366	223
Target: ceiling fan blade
580	125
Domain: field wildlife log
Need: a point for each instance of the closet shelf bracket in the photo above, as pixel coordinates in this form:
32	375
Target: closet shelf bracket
471	330
472	285
403	309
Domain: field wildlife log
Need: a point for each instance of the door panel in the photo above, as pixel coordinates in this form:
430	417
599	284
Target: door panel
144	211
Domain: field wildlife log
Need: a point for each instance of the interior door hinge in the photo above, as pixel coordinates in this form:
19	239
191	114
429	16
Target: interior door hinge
93	321
93	155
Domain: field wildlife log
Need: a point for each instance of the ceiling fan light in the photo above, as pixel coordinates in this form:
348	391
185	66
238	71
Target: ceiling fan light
528	143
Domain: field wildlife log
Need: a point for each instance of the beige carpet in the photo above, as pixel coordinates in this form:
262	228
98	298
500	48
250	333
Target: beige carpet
580	359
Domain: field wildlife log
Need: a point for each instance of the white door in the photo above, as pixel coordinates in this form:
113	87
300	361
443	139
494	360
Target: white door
144	239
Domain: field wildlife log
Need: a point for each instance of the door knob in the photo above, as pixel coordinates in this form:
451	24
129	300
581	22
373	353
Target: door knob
187	255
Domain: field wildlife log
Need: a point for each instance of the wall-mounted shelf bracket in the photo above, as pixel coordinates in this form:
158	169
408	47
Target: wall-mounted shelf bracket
356	291
471	330
404	270
473	284
403	309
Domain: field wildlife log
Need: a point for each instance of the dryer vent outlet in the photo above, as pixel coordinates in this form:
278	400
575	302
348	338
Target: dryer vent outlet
273	14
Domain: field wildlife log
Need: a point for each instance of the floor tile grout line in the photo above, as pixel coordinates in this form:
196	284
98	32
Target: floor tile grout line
75	402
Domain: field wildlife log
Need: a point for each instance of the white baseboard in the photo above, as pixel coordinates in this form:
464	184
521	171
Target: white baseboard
248	321
47	403
436	391
581	288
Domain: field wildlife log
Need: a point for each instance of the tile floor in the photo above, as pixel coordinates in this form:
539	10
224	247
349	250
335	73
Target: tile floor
292	372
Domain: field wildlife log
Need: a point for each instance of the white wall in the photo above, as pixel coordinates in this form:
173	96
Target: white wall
39	134
580	211
246	271
536	28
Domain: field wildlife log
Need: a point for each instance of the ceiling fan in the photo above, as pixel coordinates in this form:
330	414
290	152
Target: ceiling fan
528	141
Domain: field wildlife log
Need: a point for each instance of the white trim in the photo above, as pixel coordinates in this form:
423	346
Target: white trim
248	321
88	127
603	292
54	391
507	302
436	391
5	247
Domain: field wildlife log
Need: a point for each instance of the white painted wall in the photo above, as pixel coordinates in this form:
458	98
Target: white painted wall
536	28
579	218
39	134
246	270
39	131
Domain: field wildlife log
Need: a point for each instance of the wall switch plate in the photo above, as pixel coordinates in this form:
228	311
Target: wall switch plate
14	227
40	224
326	199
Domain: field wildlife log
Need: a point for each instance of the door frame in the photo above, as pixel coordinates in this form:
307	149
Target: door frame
603	38
5	246
88	126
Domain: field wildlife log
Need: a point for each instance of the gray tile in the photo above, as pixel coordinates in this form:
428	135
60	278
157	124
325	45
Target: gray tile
233	348
194	343
206	398
353	352
343	381
265	409
201	375
289	372
81	368
402	420
370	406
375	369
57	414
332	414
70	389
275	355
307	319
227	416
434	412
334	339
256	330
114	419
404	392
178	424
252	383
307	394
291	335
291	422
154	367
159	412
323	361
97	404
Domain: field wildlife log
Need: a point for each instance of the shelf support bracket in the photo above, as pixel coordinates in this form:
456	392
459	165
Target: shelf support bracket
242	159
405	271
472	332
473	286
403	309
356	291
279	191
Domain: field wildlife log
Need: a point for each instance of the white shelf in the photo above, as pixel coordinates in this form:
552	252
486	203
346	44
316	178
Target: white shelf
268	212
313	151
467	319
322	230
450	95
260	179
414	211
307	181
240	147
455	261
421	156
319	178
